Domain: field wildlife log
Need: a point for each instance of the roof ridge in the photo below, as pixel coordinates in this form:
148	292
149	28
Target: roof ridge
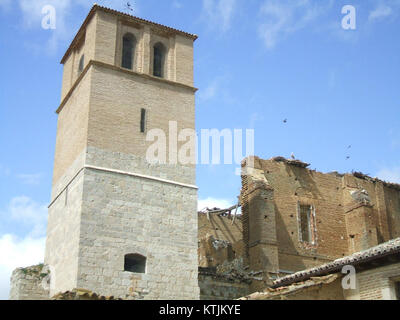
389	247
122	14
192	35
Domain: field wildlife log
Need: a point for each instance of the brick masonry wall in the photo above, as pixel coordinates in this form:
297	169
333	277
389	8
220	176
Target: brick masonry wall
293	185
222	228
116	103
257	198
244	201
100	41
72	128
378	283
329	194
392	204
85	47
219	228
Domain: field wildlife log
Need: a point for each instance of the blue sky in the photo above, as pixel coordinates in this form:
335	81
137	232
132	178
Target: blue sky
256	64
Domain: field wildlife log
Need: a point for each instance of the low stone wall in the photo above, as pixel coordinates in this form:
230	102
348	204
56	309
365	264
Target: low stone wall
219	287
81	294
31	283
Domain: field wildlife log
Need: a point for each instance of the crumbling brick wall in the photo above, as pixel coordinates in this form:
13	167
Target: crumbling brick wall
341	222
259	225
222	274
220	239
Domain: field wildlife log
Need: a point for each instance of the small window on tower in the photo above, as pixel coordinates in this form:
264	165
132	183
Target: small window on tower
81	63
142	120
135	263
66	196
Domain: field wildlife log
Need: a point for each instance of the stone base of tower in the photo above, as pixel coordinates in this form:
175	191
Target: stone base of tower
124	214
108	211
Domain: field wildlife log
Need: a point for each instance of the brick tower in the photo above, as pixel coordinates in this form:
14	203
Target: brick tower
119	225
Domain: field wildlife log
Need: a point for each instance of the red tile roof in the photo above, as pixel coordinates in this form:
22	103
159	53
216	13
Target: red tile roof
382	250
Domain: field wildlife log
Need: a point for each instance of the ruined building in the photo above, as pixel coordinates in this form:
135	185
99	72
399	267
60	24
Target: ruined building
298	224
298	218
119	226
376	276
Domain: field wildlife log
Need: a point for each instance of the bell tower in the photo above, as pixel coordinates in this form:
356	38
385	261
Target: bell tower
119	225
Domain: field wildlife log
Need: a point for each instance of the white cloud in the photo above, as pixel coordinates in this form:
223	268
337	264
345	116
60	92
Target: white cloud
335	29
282	18
380	12
389	174
214	203
65	26
210	91
218	88
32	11
32	19
28	213
31	179
176	4
17	253
219	13
21	251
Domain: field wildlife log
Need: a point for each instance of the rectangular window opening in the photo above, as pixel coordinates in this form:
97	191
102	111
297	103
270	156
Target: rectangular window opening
143	120
306	223
135	263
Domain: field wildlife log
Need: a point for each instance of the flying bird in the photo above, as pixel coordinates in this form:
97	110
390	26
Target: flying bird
285	121
292	156
128	6
348	157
